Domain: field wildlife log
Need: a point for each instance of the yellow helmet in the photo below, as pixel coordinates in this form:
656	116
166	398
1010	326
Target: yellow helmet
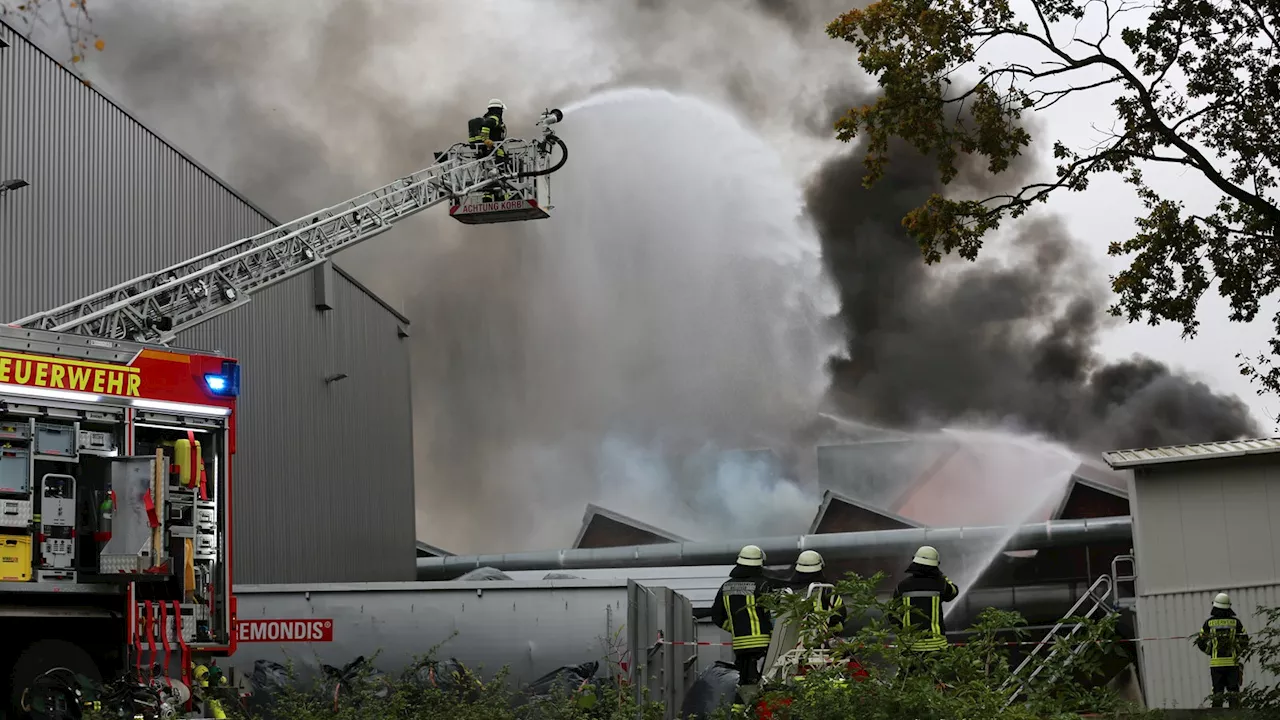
926	555
751	556
809	562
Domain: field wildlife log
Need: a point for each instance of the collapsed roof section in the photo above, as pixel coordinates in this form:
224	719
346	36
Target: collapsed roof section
603	528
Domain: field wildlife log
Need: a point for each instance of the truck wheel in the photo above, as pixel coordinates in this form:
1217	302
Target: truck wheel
43	655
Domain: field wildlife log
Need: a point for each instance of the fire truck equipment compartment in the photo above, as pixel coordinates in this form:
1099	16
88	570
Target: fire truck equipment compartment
15	471
15	558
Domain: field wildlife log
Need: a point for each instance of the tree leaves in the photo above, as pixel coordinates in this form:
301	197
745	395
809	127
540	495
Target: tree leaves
1202	94
70	19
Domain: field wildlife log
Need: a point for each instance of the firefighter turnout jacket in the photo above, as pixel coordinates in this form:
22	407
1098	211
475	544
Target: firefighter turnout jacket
923	591
493	129
1222	638
736	610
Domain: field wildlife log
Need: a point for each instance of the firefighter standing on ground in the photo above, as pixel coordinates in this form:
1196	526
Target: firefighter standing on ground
736	610
1223	638
809	570
483	132
924	590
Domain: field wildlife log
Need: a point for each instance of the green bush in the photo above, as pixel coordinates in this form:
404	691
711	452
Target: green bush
1263	653
970	680
973	679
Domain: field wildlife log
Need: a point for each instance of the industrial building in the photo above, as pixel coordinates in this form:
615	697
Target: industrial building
1206	519
1203	520
91	197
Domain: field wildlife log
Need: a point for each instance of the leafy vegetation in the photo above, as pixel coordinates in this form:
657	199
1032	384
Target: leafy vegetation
974	679
859	678
965	681
1195	90
1263	654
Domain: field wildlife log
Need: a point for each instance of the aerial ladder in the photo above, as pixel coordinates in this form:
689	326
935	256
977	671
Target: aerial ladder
115	447
156	307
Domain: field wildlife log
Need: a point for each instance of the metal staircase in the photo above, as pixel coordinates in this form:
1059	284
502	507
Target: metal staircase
1122	598
1097	601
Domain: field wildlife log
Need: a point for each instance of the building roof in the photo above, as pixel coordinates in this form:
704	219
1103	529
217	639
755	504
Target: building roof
839	513
934	479
605	528
1123	459
194	163
425	550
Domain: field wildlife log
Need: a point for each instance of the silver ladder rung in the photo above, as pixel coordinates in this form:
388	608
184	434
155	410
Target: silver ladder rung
1098	592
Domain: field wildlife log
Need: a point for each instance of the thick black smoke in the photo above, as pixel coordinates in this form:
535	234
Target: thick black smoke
1012	342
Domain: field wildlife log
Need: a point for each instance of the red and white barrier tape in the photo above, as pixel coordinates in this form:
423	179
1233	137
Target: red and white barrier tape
662	641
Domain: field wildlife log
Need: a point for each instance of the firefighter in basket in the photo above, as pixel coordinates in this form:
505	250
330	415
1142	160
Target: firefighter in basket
483	134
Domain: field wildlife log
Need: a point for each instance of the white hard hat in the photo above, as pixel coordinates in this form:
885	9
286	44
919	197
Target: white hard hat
496	103
1223	601
809	562
926	555
751	556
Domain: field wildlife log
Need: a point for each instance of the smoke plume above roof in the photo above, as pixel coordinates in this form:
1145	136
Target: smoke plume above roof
302	103
1009	339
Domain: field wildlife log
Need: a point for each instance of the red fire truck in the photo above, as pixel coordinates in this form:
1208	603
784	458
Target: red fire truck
115	482
116	449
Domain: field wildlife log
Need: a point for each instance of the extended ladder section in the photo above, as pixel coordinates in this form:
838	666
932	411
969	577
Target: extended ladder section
154	308
1093	605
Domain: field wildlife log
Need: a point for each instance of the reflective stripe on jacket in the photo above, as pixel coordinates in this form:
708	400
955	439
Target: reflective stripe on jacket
735	609
494	129
1222	638
923	593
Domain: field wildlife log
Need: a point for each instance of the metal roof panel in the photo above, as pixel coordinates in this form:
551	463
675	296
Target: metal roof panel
1121	459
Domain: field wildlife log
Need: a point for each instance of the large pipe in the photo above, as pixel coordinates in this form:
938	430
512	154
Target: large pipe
833	546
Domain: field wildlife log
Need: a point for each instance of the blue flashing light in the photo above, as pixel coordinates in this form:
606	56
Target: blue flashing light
225	383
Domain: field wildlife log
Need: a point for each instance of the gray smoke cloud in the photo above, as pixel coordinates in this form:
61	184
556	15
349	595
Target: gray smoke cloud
611	363
1010	338
529	400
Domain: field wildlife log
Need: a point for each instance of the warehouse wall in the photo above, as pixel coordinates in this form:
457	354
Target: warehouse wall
1175	674
1207	524
324	473
1201	527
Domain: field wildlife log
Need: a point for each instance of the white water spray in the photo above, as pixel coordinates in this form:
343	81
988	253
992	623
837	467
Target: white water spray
1022	480
674	305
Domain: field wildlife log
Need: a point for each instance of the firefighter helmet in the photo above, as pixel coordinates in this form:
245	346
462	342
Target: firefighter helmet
751	556
809	562
926	555
1222	601
496	103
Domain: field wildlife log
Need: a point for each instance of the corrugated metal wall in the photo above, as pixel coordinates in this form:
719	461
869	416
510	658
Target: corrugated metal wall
1175	673
1201	528
1207	524
324	474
